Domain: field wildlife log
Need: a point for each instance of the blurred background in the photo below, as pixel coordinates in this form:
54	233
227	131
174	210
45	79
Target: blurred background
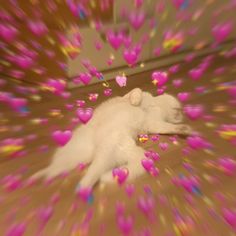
58	56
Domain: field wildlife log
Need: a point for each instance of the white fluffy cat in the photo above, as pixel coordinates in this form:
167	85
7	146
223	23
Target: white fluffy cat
108	140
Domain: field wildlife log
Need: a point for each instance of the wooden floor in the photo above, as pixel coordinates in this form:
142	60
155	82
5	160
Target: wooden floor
199	213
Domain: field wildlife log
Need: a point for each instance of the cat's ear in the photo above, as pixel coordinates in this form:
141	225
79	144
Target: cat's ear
135	96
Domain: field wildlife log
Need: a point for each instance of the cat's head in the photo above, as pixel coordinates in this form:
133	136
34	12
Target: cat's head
169	105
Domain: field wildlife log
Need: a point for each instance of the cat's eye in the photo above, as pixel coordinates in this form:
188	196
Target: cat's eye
178	109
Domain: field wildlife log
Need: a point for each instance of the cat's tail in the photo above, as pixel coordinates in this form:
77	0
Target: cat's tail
40	174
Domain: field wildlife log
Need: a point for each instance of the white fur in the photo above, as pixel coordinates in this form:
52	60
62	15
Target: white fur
108	140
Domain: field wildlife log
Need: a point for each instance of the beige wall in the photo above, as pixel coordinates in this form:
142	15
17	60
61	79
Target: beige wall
202	22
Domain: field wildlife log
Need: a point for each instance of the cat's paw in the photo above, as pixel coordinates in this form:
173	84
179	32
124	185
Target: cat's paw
84	193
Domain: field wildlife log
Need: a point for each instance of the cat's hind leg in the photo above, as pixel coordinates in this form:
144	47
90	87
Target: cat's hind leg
133	155
101	164
79	150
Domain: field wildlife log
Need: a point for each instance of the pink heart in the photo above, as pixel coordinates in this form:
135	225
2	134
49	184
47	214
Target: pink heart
62	137
189	57
196	142
219	71
45	213
178	3
155	156
37	27
178	36
147	164
184	96
130	189
174	69
84	193
55	198
24	62
138	3
98	45
84	114
56	86
137	48
188	166
160	78
99	75
85	78
107	92
73	8
2	82
76	80
120	174
230	217
147	154
232	91
16	230
157	51
186	151
208	117
127	40
120	208
65	95
154	171
160	91
17	103
228	165
130	56
12	182
186	183
177	82
204	66
196	74
185	16
110	61
152	23
200	89
160	7
146	205
137	19
8	32
121	80
93	97
155	137
115	39
221	31
80	103
69	106
163	146
125	224
50	54
231	53
194	112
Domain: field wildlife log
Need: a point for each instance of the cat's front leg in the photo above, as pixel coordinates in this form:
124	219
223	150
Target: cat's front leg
162	127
